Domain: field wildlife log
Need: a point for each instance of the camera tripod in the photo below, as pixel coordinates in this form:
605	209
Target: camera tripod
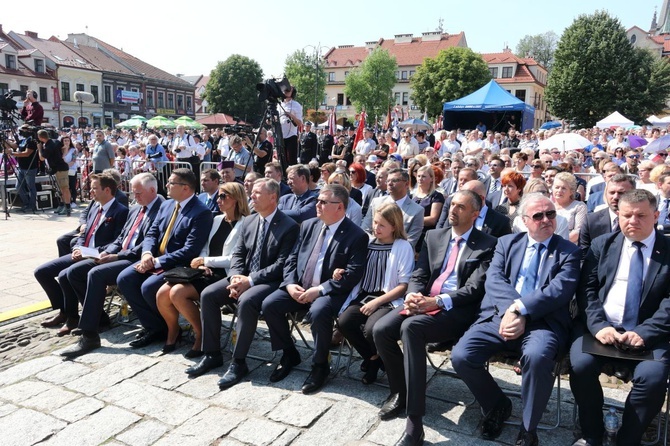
270	119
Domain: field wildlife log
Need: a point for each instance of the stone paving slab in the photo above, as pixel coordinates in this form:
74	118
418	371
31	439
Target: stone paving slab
203	428
144	433
78	409
95	429
26	427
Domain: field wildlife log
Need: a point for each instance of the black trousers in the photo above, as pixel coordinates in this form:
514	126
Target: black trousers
357	327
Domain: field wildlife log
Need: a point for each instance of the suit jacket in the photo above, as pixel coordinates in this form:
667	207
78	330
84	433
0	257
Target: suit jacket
305	208
495	198
558	282
597	224
284	189
595	199
222	261
412	217
280	237
188	237
495	223
109	229
471	268
447	184
598	274
347	250
213	206
136	252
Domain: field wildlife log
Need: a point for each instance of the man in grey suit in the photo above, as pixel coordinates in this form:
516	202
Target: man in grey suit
442	301
529	284
301	204
398	189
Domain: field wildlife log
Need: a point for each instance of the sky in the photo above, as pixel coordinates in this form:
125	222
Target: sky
191	37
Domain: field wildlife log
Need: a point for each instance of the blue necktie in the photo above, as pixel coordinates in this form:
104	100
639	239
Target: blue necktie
532	272
634	288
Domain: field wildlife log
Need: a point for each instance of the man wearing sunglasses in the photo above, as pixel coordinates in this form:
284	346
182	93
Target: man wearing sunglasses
529	285
630	167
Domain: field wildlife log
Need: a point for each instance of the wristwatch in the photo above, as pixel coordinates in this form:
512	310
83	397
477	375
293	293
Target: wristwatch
439	302
515	310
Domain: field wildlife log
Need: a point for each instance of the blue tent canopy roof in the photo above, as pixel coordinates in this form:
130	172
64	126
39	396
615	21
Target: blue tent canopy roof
490	98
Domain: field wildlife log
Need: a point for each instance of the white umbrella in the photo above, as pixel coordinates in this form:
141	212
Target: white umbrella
565	141
324	124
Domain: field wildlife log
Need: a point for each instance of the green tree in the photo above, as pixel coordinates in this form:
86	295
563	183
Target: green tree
369	86
597	71
452	74
232	88
306	73
540	47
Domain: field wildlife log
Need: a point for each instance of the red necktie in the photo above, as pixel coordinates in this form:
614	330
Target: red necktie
94	226
451	264
131	234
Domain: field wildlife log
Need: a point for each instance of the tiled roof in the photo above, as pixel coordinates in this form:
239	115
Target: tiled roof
98	58
522	73
219	119
407	53
57	51
22	68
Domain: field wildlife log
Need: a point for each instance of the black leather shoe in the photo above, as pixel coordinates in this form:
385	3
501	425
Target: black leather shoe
495	420
149	338
85	344
408	440
433	347
393	407
233	375
140	333
587	442
55	321
316	378
192	354
207	363
286	364
526	438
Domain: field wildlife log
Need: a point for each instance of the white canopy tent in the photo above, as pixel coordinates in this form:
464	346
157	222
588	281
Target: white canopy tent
655	120
616	119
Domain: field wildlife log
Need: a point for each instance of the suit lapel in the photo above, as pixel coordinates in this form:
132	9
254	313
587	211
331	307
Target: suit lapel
441	253
468	250
549	261
654	266
515	257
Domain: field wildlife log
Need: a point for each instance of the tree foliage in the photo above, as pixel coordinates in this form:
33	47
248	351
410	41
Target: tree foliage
369	86
540	47
232	88
597	71
452	74
306	73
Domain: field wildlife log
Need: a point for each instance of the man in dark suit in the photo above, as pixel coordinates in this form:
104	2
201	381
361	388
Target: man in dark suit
266	240
605	220
273	170
308	144
442	301
529	284
325	243
90	278
103	225
623	301
209	190
176	236
301	204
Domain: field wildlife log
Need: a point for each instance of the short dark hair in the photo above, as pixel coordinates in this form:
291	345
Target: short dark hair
187	176
299	169
638	196
402	172
475	200
623	178
340	192
105	180
212	174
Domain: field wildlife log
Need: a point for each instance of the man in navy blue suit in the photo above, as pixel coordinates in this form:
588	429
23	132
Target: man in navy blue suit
623	301
325	243
301	204
88	280
529	285
104	224
209	190
177	235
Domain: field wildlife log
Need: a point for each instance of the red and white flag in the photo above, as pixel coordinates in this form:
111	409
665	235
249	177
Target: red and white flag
56	98
360	129
332	122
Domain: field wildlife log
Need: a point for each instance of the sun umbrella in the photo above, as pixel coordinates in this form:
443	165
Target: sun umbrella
160	122
636	141
140	117
565	141
655	146
188	122
131	123
551	125
415	124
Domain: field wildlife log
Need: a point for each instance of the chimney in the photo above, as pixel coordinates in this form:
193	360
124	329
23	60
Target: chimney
403	38
31	34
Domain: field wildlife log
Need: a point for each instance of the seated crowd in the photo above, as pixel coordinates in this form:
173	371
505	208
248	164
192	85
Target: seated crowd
479	242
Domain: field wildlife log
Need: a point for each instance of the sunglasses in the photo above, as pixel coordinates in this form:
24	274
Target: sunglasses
662	154
537	166
221	197
539	216
634	157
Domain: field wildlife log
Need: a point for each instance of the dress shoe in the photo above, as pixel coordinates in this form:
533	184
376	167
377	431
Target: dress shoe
371	373
192	354
169	348
207	363
393	406
337	338
408	440
495	420
149	338
66	329
55	321
587	442
316	378
85	344
140	333
526	438
433	347
286	364
233	375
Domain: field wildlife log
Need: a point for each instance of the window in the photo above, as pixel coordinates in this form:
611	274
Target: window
633	39
80	87
506	72
397	74
39	66
397	98
4	88
108	93
65	91
43	94
161	99
403	75
23	88
121	98
348	101
189	103
405	98
170	103
411	73
150	98
10	61
494	72
331	76
180	101
346	73
340	99
521	94
95	93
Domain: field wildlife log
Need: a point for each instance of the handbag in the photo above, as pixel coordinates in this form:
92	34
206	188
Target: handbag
182	274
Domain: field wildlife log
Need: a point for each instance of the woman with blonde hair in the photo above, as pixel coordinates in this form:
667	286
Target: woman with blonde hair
563	191
175	298
390	263
428	197
644	170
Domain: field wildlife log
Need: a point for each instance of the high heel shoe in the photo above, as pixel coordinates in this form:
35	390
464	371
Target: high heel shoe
169	348
371	373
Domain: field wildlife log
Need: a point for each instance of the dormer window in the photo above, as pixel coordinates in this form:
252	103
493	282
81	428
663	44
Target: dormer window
507	72
39	66
10	61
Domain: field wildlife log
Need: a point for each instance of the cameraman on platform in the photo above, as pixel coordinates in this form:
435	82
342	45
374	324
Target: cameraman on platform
290	117
26	156
51	151
32	111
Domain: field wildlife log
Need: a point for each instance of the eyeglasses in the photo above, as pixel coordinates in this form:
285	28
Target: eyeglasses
171	183
325	202
537	166
634	157
539	216
221	197
352	171
662	154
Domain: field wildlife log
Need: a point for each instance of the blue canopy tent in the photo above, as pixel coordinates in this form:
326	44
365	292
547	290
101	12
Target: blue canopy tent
493	106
